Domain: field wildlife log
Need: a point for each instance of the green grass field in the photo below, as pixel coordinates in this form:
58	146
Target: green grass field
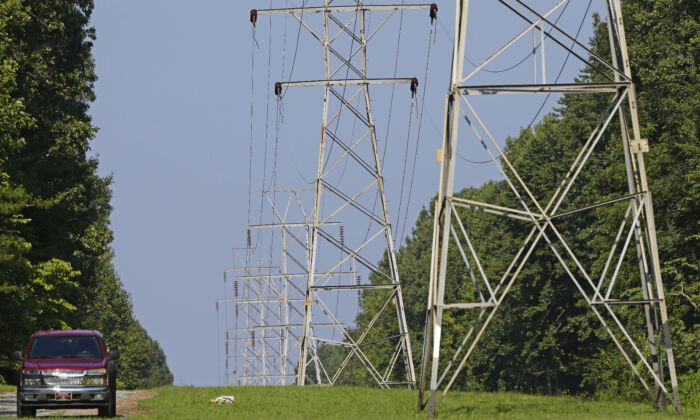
288	403
7	388
365	403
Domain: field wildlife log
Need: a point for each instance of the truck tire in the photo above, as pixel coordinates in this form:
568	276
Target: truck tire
24	411
113	385
113	403
110	410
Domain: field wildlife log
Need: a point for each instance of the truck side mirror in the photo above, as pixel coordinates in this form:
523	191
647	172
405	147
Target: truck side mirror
17	355
113	355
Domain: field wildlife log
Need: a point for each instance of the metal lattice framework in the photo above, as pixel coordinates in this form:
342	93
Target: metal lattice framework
294	224
256	343
643	356
346	184
271	301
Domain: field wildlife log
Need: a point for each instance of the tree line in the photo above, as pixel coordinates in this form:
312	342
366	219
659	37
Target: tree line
56	268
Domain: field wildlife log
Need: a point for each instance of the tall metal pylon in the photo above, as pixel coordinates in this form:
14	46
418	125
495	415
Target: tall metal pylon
256	343
271	299
449	230
351	180
294	224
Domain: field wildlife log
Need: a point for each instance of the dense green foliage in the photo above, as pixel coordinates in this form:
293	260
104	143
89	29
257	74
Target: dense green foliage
55	258
545	339
340	402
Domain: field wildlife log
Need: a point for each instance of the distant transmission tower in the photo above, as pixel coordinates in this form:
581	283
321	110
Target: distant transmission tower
294	223
254	344
270	300
450	232
345	187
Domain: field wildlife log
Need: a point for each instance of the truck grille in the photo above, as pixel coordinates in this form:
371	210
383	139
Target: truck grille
58	377
63	381
63	372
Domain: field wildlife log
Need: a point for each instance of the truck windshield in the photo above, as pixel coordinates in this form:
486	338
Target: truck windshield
66	346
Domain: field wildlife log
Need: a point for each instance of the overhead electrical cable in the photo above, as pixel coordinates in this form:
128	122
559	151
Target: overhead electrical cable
393	86
267	132
296	46
528	55
252	119
513	66
391	105
405	164
415	154
279	119
284	42
267	119
408	135
561	70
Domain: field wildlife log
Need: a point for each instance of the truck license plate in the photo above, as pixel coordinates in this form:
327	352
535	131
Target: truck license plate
64	396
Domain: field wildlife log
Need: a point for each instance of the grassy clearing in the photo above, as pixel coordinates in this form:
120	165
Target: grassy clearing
364	403
7	388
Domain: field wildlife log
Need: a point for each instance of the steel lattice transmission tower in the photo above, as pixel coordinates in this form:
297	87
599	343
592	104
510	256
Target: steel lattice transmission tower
270	300
294	224
346	183
255	341
650	358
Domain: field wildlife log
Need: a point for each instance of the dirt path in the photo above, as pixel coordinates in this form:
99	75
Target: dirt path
127	406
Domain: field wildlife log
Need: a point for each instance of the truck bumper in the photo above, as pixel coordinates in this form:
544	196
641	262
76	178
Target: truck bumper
80	397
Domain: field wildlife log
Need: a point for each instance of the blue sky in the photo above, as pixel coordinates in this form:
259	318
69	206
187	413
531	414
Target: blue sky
176	79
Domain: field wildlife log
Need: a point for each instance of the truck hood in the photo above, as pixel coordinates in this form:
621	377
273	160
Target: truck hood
72	363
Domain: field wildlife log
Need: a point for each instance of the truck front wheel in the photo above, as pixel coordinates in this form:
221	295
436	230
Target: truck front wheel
113	403
24	411
110	410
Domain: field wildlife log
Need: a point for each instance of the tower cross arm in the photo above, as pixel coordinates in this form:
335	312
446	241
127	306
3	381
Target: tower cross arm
543	88
347	82
344	9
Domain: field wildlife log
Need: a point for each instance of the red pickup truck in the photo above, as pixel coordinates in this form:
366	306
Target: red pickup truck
67	369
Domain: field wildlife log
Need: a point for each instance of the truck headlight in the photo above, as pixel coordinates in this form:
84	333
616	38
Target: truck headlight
96	380
32	381
96	377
